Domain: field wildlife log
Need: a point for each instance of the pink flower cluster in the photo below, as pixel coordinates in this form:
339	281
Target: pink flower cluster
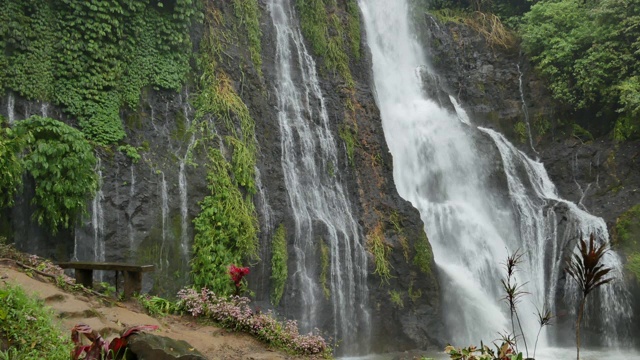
234	313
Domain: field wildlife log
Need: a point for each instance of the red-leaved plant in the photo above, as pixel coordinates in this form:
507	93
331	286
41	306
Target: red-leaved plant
237	273
101	349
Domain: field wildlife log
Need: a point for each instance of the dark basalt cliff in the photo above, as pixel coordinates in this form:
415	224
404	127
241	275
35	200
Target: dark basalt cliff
144	209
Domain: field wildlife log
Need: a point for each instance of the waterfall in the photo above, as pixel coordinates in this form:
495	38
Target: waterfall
443	165
182	188
132	192
97	222
266	229
44	109
164	197
11	103
525	109
321	210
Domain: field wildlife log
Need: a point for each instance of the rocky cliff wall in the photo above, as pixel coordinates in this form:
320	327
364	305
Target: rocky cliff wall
499	88
144	209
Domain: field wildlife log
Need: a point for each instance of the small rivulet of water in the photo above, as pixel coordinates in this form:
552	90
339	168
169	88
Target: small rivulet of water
97	221
320	208
132	193
182	188
477	210
164	198
11	103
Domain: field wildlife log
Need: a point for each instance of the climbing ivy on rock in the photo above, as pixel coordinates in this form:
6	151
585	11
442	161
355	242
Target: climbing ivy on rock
93	57
227	225
226	229
324	28
61	163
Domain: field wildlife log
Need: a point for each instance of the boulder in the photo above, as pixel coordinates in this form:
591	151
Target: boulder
154	347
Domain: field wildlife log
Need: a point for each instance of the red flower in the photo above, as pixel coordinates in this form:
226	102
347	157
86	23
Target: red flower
237	273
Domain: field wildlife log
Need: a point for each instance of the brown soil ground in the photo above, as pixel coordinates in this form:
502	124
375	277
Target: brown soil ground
109	319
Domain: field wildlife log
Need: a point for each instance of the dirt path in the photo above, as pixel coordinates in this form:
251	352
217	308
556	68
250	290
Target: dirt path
71	308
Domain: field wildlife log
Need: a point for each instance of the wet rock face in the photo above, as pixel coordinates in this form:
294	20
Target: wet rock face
139	215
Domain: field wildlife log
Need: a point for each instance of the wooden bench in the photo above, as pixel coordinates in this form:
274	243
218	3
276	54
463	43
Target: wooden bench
132	274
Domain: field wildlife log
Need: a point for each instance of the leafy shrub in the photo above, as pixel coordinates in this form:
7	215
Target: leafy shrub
235	313
61	162
27	327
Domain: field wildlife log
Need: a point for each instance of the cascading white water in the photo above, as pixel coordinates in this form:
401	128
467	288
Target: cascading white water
321	210
164	197
525	109
266	229
132	192
11	102
44	109
97	221
182	188
442	168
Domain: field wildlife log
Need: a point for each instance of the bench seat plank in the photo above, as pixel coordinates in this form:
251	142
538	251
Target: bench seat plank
105	266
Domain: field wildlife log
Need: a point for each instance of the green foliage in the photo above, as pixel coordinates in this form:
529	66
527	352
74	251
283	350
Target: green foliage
226	229
350	137
93	57
396	299
633	265
157	306
227	226
520	128
11	165
324	29
279	258
627	230
581	133
324	268
130	151
626	236
503	352
381	251
27	327
248	13
423	254
589	53
61	162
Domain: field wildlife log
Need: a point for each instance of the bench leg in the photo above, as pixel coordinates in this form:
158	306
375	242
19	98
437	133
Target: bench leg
84	277
132	283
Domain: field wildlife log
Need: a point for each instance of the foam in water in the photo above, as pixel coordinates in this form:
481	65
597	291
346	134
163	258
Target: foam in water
442	165
317	197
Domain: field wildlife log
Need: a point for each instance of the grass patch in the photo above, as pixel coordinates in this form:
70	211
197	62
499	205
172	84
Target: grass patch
423	254
324	268
27	328
380	250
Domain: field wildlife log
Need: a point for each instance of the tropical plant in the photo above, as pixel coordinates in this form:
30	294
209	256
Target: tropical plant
544	319
505	351
237	275
514	292
101	349
586	269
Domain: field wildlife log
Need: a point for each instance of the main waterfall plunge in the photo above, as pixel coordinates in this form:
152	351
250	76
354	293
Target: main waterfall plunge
321	211
477	208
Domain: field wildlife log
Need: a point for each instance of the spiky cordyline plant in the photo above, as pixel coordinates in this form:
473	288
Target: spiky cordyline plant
513	292
585	268
544	319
